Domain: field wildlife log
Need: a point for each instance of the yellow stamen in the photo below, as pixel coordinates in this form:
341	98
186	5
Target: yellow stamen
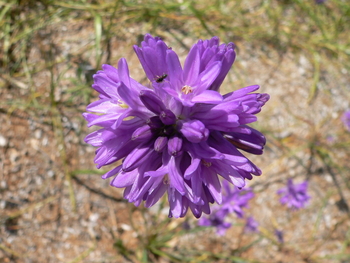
122	104
186	89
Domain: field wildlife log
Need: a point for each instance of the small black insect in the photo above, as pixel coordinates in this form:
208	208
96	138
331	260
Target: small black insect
160	79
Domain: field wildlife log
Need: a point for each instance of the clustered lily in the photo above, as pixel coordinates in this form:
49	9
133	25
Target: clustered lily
178	135
295	196
234	200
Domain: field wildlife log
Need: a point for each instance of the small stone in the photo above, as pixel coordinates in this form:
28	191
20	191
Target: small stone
45	141
125	227
3	141
94	217
34	143
2	204
3	184
38	133
14	155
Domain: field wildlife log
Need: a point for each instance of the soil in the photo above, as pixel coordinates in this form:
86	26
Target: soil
56	208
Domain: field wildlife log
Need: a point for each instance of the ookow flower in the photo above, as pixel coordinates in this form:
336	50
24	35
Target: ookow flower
251	225
178	135
217	220
280	236
346	119
294	195
233	201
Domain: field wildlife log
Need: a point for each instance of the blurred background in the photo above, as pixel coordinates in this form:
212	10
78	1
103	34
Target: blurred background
56	208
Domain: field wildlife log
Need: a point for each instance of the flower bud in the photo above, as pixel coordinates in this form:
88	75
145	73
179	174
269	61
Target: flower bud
160	143
194	131
152	101
142	133
155	123
167	117
175	146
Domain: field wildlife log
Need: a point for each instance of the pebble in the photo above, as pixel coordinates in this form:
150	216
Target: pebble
45	141
35	144
2	204
125	227
3	184
50	173
94	217
14	155
38	133
3	141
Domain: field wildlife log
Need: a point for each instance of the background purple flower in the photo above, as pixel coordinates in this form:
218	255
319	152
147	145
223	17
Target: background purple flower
233	201
346	119
294	195
217	220
330	138
251	225
179	135
279	235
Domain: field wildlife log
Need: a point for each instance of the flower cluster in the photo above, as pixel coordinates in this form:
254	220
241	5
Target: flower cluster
216	219
234	200
346	119
294	195
280	236
251	225
179	134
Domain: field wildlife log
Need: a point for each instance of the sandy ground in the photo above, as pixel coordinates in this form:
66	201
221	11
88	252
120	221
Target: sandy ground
39	222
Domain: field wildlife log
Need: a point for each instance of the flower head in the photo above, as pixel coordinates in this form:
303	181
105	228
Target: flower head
179	135
235	199
232	202
216	219
346	119
294	195
280	236
251	225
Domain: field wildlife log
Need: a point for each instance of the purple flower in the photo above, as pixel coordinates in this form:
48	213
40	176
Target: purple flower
330	138
294	195
232	202
279	235
320	2
216	219
178	135
251	225
346	119
235	199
